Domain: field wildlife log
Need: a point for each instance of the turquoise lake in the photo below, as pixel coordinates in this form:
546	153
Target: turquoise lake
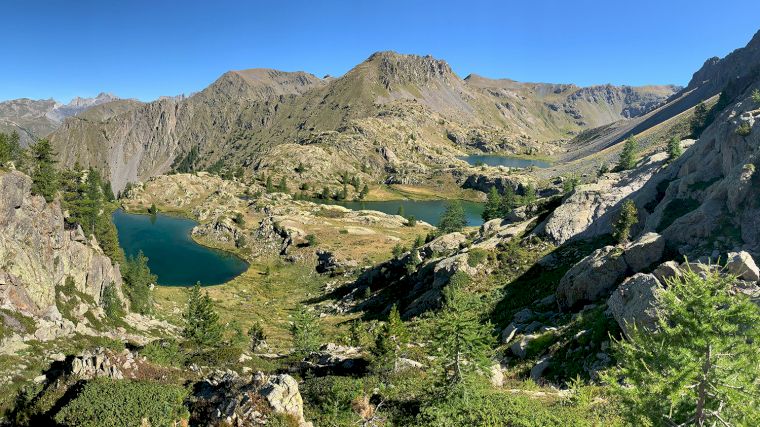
424	210
172	254
511	162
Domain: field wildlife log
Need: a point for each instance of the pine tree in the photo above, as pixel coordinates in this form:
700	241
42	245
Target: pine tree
256	335
674	149
492	207
268	185
699	119
628	216
282	187
461	341
202	327
453	218
700	365
389	343
400	210
10	148
628	155
306	332
756	96
364	192
530	195
44	176
508	201
137	281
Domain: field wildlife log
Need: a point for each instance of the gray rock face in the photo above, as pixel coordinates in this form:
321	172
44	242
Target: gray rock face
35	229
537	371
667	270
645	251
89	365
634	302
225	398
328	263
590	210
741	265
443	245
281	391
592	277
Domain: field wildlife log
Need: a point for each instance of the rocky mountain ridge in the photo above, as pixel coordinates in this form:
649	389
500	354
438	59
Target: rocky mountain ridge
34	119
414	106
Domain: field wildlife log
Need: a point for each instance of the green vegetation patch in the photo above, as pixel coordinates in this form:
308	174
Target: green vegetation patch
115	403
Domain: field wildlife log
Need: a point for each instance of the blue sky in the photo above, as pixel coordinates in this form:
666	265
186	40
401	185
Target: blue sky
144	49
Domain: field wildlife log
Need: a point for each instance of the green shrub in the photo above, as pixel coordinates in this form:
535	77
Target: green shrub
111	303
744	129
311	240
756	96
627	217
306	332
476	256
165	352
629	154
115	403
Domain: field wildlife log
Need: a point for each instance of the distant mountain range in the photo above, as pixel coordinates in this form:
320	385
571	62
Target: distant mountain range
34	119
391	117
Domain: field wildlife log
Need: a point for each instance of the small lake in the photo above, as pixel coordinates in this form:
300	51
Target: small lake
172	254
424	210
511	162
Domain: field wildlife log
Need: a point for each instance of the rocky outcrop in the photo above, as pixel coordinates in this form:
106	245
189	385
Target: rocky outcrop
592	277
645	251
38	253
634	302
89	365
596	275
226	398
328	263
590	210
741	265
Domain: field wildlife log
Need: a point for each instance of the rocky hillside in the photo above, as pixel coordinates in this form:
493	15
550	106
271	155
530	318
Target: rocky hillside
731	75
391	117
34	119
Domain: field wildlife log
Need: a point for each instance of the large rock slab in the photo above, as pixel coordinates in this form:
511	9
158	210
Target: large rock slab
741	265
635	302
645	251
592	277
39	253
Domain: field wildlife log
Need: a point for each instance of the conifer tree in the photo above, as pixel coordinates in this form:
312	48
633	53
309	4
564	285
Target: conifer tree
492	208
461	341
256	335
453	218
10	148
628	216
202	327
137	281
530	195
699	119
364	192
44	176
674	149
628	155
508	201
268	185
700	365
390	343
306	332
282	187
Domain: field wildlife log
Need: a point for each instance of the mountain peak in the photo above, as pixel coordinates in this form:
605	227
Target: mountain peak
398	68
